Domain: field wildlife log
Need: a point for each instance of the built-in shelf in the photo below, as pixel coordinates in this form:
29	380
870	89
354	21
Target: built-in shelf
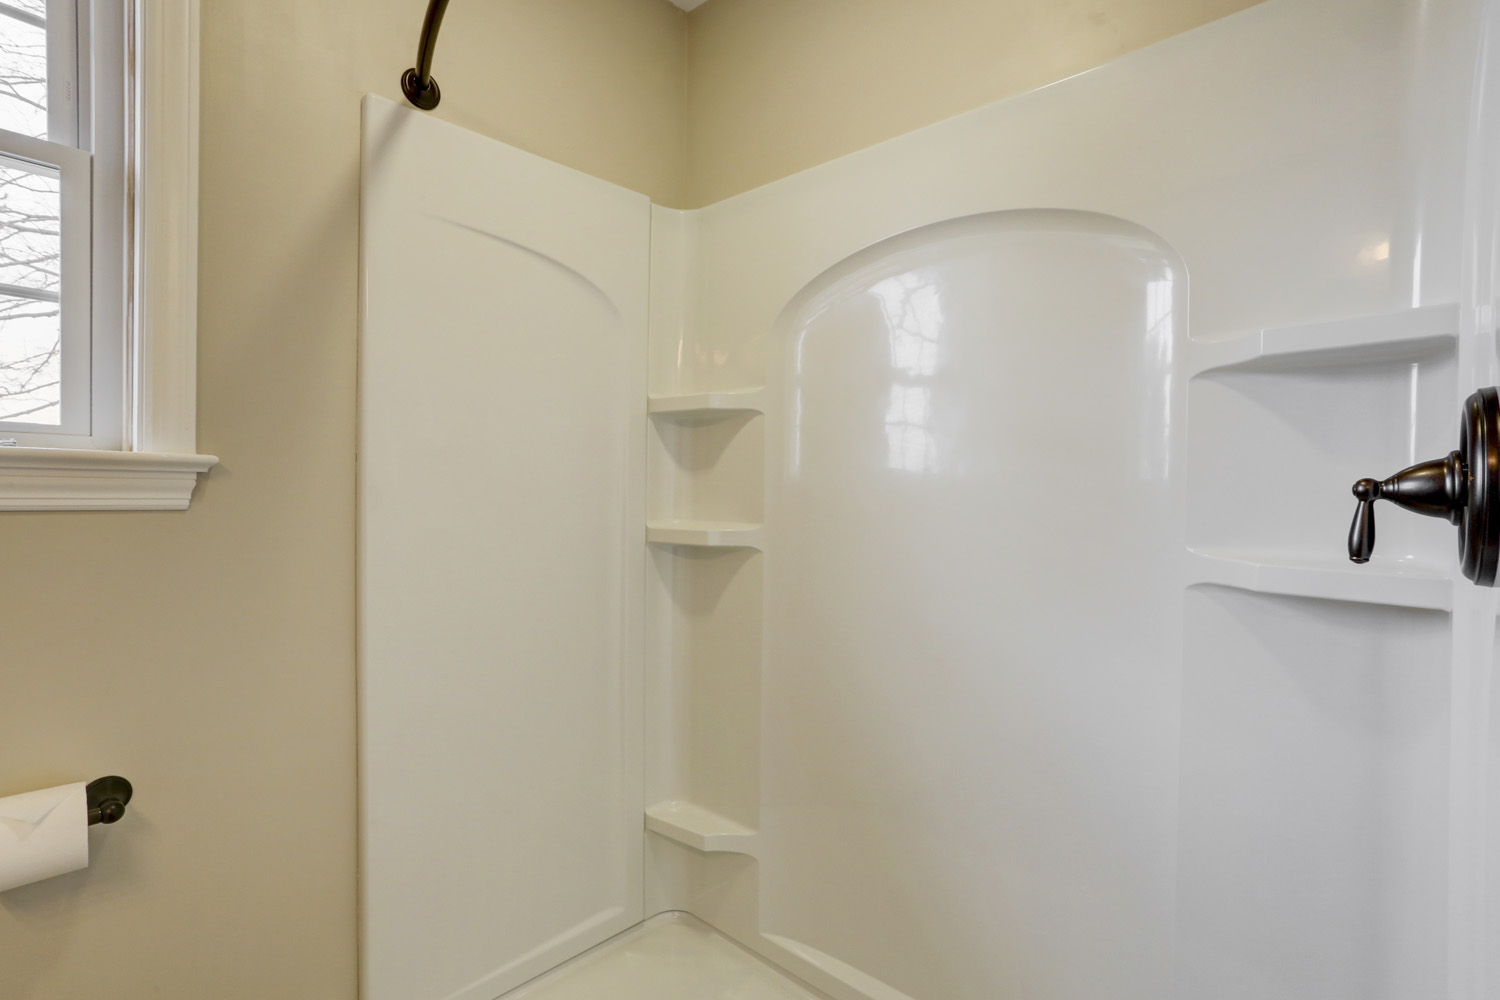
705	404
707	534
1407	334
1393	584
699	828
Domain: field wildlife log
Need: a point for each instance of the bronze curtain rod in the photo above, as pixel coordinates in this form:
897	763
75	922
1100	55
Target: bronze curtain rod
417	83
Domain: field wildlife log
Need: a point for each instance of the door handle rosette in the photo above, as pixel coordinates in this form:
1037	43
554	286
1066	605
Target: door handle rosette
1464	488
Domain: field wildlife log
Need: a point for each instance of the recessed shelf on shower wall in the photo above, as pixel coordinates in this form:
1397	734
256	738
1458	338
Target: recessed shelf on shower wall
699	828
1319	406
705	463
1407	333
704	404
705	470
708	534
1393	584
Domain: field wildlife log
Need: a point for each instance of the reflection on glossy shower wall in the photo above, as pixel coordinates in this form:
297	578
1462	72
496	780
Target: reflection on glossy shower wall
901	422
970	413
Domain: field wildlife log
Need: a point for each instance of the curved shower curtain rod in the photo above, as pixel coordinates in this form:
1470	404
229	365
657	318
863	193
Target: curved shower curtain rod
417	83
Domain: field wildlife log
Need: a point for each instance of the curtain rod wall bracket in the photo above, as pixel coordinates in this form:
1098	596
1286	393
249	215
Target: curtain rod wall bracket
422	97
417	83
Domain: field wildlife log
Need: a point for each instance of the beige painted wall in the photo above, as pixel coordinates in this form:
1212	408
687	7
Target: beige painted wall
208	656
776	86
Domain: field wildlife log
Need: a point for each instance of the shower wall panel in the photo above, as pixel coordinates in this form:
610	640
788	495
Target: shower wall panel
973	556
972	413
1038	382
501	499
1314	764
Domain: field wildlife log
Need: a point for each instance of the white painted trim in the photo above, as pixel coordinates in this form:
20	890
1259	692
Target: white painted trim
57	479
163	414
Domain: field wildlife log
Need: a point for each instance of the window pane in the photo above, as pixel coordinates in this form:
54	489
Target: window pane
30	317
23	67
30	210
30	361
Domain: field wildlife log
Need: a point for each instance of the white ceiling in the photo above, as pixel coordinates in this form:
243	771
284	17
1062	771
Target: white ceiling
689	4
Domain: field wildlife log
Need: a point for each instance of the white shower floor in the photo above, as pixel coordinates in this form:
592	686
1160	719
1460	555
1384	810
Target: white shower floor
669	957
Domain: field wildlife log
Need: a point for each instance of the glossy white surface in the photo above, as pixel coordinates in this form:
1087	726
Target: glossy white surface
501	469
1007	450
698	828
999	638
977	460
703	403
1313	795
672	957
710	534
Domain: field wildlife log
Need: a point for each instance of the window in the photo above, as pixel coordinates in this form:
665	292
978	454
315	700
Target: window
62	198
98	247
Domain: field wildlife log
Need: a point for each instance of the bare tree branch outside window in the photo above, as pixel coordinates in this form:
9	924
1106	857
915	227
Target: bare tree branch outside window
30	228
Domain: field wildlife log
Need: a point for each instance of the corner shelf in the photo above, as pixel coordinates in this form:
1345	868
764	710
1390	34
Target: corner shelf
705	485
705	534
707	404
1405	334
1370	584
700	828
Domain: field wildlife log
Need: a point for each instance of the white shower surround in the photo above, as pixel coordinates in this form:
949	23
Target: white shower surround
961	617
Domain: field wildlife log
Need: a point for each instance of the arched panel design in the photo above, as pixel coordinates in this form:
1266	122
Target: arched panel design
972	657
997	634
502	371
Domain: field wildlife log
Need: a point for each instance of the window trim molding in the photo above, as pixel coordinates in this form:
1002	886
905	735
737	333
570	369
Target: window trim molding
164	406
159	467
62	479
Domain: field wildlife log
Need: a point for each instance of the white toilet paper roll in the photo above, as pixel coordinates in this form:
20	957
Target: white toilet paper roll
42	834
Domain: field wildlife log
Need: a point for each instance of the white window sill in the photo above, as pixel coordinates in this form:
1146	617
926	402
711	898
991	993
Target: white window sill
59	479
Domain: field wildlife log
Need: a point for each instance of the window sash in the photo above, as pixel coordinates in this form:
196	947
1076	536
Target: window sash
11	10
75	170
66	84
86	48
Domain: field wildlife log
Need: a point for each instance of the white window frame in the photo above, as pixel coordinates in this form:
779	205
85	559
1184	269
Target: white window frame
152	461
88	153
